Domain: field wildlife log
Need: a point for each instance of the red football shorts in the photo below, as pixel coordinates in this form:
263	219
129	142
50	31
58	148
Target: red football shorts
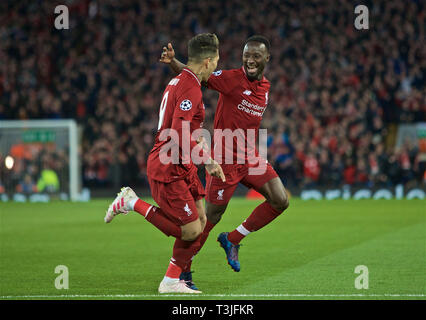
220	193
177	199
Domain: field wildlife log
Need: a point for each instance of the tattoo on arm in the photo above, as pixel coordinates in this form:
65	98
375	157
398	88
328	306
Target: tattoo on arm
177	66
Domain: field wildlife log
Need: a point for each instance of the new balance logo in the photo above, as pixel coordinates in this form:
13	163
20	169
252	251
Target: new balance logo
220	194
247	92
187	210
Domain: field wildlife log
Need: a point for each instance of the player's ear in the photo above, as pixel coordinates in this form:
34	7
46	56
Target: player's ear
207	62
268	56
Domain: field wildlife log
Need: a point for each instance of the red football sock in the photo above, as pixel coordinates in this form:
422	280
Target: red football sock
183	251
142	207
156	216
173	271
260	217
202	239
188	267
235	236
205	234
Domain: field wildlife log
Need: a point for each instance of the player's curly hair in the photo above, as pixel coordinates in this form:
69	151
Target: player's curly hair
202	46
259	38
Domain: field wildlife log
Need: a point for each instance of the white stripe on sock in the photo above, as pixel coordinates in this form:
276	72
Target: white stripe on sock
147	211
170	280
242	230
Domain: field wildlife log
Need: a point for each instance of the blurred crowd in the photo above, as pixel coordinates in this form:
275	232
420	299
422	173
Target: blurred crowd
34	167
337	93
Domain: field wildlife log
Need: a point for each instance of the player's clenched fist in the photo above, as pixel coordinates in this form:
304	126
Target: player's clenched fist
215	170
168	54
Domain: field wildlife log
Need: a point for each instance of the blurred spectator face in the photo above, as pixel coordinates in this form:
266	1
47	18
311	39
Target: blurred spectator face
28	179
324	157
255	58
361	165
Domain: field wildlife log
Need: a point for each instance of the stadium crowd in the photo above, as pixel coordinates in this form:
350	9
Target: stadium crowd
37	167
337	93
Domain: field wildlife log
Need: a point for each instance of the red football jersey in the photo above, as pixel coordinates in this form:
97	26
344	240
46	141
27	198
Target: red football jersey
181	108
240	107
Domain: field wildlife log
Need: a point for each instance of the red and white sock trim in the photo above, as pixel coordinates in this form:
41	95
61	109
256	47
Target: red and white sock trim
148	211
243	230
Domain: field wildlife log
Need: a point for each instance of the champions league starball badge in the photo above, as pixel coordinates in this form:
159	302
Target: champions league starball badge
186	105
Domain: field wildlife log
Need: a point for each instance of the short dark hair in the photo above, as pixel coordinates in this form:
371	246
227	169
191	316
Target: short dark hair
259	38
203	45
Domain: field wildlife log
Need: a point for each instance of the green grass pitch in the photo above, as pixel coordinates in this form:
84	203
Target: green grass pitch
309	252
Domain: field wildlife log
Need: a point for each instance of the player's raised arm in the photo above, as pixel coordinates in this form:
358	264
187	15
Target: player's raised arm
168	57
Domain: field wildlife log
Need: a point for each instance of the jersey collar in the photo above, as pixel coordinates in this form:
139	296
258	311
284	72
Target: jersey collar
193	74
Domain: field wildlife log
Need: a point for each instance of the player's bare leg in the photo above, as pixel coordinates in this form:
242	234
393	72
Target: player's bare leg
275	193
214	212
276	202
192	230
201	212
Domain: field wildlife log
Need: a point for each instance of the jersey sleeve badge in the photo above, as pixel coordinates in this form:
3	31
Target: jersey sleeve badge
186	105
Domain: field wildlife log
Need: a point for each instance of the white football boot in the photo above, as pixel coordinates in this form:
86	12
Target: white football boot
120	204
178	286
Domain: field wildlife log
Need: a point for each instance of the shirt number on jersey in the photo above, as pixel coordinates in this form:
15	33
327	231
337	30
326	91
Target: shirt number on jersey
162	110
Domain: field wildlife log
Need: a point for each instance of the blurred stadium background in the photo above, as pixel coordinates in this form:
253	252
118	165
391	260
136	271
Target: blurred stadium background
347	112
347	107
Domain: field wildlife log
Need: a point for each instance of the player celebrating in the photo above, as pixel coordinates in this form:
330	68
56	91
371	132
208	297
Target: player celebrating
176	187
243	97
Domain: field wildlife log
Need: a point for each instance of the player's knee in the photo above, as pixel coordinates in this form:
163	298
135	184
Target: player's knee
203	220
190	234
201	212
280	202
214	215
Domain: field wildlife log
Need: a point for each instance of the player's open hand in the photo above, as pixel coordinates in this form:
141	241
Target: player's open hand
168	54
215	170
